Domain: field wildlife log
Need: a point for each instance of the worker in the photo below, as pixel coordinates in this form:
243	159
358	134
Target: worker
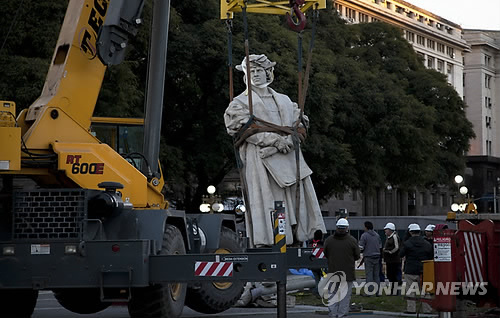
342	251
317	242
371	245
269	162
415	250
429	235
391	256
407	233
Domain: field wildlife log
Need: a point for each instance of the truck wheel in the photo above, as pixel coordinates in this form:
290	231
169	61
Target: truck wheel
161	300
17	303
215	297
81	301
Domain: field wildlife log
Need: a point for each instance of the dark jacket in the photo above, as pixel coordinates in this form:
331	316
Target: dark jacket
416	249
392	247
370	244
431	241
342	251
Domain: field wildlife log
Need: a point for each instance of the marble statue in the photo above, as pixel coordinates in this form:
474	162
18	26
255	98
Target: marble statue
269	159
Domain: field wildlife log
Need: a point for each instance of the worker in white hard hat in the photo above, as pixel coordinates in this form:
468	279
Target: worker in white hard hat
415	250
407	234
342	251
391	256
429	234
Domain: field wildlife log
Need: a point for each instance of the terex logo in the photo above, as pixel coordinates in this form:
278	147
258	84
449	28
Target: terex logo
78	167
88	34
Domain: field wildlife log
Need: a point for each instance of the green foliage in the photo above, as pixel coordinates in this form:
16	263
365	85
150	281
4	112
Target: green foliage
377	115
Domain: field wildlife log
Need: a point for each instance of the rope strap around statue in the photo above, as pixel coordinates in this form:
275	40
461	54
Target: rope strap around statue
256	125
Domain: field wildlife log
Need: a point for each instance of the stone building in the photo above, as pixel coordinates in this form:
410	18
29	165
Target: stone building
481	93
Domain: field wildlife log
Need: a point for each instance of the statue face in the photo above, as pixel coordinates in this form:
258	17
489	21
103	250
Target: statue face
258	75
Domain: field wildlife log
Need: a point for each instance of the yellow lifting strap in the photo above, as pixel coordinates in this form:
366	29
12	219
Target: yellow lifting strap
229	7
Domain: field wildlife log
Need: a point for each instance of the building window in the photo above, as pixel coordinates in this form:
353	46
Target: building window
440	66
488	122
487	60
487	81
389	5
442	200
375	19
363	17
355	195
351	14
440	47
450	51
410	36
449	71
421	18
339	8
420	40
487	102
430	62
400	9
431	44
488	147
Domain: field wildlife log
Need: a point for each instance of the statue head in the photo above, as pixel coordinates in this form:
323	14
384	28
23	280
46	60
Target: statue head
258	61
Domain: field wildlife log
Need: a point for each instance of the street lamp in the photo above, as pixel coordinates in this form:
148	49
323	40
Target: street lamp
467	205
463	190
212	202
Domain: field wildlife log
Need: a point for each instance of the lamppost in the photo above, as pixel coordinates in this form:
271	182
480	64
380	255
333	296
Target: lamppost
467	205
212	202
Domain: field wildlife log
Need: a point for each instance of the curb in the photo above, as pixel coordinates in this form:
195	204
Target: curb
396	314
381	313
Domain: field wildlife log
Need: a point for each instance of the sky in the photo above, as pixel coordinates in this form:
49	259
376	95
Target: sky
477	14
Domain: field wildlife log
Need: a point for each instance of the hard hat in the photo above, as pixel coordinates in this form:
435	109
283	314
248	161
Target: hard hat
342	223
414	227
390	226
430	227
409	225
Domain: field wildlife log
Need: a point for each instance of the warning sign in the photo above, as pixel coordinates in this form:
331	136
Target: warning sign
281	224
442	249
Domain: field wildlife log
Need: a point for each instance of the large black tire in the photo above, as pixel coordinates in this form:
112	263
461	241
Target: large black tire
17	303
161	300
81	301
215	297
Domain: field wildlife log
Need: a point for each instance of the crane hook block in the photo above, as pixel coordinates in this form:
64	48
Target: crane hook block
299	22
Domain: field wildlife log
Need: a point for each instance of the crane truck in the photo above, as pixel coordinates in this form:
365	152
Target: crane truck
81	220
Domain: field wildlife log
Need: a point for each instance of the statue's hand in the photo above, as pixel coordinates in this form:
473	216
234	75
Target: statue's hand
283	144
267	152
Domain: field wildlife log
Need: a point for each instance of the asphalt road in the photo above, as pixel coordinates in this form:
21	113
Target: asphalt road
48	307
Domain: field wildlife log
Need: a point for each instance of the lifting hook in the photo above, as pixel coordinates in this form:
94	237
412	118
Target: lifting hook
299	23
